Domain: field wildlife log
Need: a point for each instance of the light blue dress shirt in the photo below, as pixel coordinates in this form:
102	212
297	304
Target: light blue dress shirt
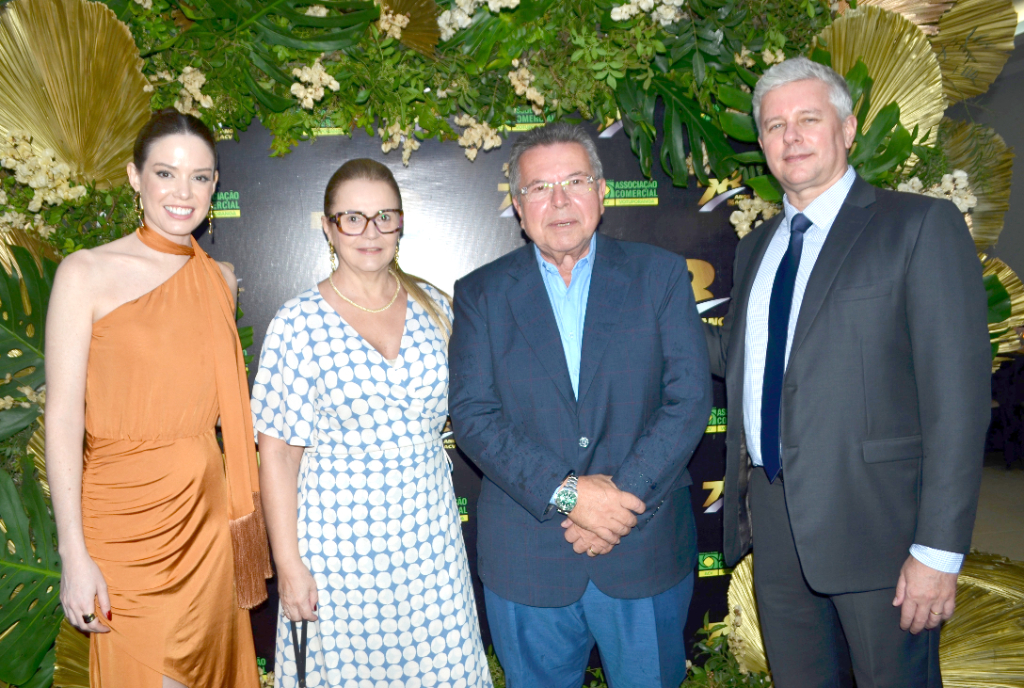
570	306
822	213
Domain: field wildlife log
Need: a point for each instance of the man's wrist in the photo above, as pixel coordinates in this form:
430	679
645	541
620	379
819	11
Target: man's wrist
940	560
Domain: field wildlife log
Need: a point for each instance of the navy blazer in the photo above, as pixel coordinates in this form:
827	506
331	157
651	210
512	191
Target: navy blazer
644	403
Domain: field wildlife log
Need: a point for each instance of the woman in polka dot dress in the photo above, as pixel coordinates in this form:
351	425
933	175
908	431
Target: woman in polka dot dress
349	403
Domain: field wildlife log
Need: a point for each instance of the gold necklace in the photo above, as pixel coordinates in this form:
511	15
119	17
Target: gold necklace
398	288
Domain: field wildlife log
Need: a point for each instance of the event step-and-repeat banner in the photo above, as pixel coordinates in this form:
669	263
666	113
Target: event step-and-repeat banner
459	216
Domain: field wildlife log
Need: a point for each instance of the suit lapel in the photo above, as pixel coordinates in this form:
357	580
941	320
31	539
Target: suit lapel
528	300
609	287
852	218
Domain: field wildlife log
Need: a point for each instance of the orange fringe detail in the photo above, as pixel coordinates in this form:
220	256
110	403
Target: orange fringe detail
252	556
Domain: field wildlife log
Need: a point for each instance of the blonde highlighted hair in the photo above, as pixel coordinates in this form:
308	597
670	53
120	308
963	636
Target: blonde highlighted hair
371	170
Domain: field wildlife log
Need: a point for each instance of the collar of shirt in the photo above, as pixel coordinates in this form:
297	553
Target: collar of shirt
824	209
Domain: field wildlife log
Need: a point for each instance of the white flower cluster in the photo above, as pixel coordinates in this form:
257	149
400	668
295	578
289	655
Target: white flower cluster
775	57
704	157
3	197
461	16
664	12
954	187
743	57
476	136
48	179
315	77
752	212
146	4
316	11
394	136
8	402
521	79
192	81
14	220
391	23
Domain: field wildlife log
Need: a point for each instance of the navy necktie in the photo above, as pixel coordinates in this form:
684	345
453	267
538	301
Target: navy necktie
775	357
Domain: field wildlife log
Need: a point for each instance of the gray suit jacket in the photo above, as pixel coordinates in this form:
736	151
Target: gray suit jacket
885	400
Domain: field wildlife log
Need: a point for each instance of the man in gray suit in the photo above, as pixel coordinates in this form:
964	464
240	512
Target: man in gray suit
856	360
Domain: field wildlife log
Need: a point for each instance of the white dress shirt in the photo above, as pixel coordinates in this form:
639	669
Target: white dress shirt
822	213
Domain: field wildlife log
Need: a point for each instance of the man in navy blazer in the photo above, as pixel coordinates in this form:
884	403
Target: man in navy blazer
580	386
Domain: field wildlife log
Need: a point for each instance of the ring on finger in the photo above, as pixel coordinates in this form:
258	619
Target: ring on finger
935	613
88	618
591	552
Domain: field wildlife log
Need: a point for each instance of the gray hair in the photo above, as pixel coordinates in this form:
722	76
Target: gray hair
550	135
801	69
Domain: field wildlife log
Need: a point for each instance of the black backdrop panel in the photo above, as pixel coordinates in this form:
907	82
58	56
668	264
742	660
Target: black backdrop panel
458	218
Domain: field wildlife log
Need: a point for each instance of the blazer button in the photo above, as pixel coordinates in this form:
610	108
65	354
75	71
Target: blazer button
584	442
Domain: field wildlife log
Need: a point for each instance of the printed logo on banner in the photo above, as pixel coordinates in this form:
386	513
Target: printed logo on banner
326	128
717	420
225	204
463	508
711	564
525	120
714	501
631	192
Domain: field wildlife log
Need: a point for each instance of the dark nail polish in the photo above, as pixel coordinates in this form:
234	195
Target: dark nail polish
314	607
110	616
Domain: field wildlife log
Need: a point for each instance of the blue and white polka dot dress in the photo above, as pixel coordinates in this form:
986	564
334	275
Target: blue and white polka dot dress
378	523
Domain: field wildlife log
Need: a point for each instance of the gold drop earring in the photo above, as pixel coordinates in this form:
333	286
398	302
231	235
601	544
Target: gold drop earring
209	220
334	257
139	215
396	254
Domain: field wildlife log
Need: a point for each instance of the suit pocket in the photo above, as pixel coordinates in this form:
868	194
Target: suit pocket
864	291
897	449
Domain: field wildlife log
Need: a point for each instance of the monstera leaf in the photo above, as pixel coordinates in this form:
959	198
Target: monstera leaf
30	612
24	295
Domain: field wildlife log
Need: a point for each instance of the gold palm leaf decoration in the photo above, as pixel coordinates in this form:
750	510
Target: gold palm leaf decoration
19	237
974	41
982	646
744	627
924	13
37	450
71	668
899	59
988	161
70	75
422	32
1006	301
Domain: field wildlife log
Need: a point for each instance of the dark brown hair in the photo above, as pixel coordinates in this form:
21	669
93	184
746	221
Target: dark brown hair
169	122
371	170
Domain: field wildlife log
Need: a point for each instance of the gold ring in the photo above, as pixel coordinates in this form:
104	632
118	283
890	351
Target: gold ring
591	552
89	618
935	613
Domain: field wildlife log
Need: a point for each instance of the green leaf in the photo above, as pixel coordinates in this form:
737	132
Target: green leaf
754	157
265	64
43	678
699	71
699	129
999	304
23	302
735	98
339	40
739	127
866	145
897	150
767	187
637	108
271	101
30	614
859	83
821	56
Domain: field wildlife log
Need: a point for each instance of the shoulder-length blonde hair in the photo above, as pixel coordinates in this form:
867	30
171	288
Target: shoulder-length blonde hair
371	170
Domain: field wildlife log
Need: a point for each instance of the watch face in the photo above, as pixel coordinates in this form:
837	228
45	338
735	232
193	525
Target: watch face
565	500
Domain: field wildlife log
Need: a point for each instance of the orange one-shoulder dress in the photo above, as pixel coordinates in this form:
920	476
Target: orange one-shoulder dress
154	497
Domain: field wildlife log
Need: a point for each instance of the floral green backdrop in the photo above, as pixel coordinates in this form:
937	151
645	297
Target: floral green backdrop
677	74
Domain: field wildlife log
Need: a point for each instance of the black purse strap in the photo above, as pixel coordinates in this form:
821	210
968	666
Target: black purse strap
300	652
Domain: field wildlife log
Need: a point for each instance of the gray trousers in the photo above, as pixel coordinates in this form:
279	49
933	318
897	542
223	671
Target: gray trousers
827	641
